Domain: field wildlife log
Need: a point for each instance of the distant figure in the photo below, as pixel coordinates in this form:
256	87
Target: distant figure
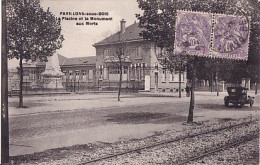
187	91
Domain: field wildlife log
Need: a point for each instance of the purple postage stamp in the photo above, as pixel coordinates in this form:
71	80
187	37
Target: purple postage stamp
230	37
193	33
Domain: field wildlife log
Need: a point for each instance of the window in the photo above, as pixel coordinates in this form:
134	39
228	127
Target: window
176	76
125	68
67	74
70	75
138	53
132	72
142	71
156	78
32	75
84	75
164	76
114	70
107	53
138	72
77	75
90	75
101	73
40	74
105	77
160	52
26	73
171	77
156	66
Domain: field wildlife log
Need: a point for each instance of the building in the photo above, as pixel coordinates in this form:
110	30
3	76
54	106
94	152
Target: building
79	73
141	68
13	79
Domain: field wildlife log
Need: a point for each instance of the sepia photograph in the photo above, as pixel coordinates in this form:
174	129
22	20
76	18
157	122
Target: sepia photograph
130	82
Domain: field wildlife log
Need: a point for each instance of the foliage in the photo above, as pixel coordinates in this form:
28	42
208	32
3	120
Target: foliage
32	32
158	20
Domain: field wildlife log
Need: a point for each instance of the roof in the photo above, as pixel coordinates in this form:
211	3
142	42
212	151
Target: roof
63	61
131	34
91	60
237	87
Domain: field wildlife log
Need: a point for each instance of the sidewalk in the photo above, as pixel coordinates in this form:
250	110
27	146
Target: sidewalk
57	103
47	104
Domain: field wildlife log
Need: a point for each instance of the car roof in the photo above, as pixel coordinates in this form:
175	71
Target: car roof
241	88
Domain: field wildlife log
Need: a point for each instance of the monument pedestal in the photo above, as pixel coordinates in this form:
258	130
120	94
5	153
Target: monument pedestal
52	76
52	82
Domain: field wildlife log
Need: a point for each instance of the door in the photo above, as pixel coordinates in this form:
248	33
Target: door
147	83
156	81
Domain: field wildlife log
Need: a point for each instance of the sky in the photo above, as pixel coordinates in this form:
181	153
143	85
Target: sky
80	38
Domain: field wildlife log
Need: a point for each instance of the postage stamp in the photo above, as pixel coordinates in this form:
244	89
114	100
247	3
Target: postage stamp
230	37
193	33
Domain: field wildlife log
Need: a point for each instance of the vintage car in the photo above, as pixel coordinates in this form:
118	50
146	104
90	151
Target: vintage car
238	96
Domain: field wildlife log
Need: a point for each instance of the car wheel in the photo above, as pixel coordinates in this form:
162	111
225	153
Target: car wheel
251	103
241	105
226	103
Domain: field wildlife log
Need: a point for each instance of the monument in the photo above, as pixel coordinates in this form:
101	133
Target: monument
52	76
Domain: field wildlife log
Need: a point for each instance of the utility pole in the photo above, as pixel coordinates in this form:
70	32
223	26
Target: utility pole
4	91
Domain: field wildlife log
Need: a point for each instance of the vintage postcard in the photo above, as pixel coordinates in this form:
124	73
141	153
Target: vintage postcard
135	82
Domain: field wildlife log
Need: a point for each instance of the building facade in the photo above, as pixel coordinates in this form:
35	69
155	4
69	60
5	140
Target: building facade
141	69
140	66
79	73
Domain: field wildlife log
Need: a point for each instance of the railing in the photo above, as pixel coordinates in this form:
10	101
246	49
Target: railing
213	87
81	86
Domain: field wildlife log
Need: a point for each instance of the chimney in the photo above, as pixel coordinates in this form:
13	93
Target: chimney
122	26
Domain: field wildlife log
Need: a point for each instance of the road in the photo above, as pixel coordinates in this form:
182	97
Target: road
58	121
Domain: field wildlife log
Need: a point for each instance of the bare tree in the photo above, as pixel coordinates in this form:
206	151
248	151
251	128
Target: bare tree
118	55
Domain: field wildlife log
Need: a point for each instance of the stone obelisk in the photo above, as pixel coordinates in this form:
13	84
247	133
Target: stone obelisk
52	76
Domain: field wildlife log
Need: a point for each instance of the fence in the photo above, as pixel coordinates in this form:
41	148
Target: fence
222	87
80	86
127	86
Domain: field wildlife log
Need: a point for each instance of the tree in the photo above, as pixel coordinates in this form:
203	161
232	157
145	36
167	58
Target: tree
32	33
178	62
118	55
4	91
172	61
158	20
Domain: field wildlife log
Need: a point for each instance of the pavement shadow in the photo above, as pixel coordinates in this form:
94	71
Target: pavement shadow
144	118
220	107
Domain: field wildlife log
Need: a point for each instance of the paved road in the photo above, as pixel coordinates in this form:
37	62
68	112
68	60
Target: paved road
53	121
